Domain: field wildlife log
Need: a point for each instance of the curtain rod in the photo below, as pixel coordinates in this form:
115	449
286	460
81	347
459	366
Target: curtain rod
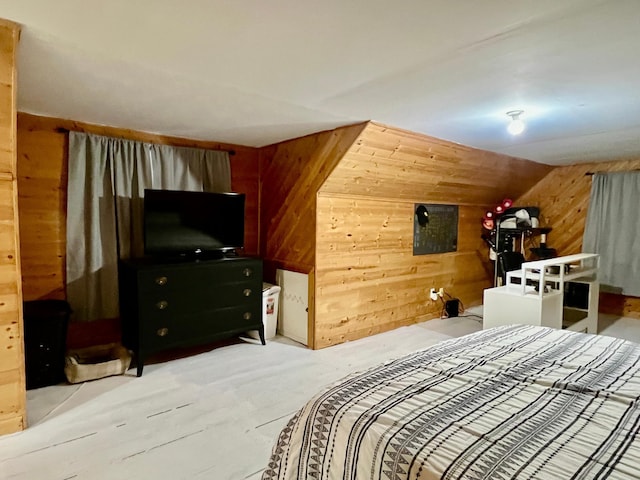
590	174
66	130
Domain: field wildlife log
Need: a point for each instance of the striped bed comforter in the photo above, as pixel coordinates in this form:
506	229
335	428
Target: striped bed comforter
511	402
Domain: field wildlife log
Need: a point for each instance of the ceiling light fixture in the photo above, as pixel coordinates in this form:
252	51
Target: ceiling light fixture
516	127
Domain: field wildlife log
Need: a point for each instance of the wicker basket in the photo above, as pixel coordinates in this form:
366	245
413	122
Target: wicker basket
92	363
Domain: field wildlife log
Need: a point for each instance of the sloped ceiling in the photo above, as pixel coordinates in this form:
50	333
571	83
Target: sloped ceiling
389	163
255	72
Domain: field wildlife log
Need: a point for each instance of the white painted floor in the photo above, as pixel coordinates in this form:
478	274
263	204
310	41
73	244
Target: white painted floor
214	415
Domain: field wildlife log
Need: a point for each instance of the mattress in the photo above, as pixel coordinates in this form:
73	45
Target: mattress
521	402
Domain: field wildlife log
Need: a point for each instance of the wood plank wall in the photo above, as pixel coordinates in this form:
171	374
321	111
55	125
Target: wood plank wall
12	371
563	197
388	162
366	278
292	173
42	180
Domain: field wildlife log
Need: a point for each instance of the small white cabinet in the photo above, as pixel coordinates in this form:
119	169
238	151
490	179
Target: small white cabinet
568	298
293	317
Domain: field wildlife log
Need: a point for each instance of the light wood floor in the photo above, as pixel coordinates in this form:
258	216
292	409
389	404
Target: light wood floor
214	415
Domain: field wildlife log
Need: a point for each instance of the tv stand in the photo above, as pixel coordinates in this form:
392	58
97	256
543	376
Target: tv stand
166	304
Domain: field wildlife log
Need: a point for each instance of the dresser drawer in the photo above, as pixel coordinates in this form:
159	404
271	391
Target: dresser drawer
198	298
164	331
205	275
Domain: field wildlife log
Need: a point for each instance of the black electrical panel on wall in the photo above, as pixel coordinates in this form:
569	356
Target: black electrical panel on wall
435	228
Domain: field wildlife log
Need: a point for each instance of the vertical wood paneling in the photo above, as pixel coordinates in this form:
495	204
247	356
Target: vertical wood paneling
367	279
12	369
563	197
292	174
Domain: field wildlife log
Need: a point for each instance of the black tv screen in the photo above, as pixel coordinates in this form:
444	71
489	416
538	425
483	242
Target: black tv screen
182	223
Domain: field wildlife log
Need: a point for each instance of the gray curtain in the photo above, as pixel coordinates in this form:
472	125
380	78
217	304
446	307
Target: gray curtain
107	178
613	230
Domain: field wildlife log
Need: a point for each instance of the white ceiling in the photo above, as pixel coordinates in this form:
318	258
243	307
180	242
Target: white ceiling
255	72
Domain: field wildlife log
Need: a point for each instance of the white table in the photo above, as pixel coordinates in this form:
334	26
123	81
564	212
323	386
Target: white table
519	302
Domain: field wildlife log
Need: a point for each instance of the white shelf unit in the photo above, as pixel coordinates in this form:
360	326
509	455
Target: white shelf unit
522	301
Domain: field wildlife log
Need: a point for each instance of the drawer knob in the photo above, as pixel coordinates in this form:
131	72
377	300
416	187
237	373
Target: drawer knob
163	332
247	272
246	292
247	315
161	281
162	304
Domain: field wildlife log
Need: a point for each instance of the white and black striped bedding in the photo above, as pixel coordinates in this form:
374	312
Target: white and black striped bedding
511	402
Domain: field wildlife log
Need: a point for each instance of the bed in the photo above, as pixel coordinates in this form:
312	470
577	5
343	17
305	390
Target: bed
521	402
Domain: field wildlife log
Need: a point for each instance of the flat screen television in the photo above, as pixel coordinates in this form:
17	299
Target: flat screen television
192	224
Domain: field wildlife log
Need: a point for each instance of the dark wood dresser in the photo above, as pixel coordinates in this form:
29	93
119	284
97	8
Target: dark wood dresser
170	304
